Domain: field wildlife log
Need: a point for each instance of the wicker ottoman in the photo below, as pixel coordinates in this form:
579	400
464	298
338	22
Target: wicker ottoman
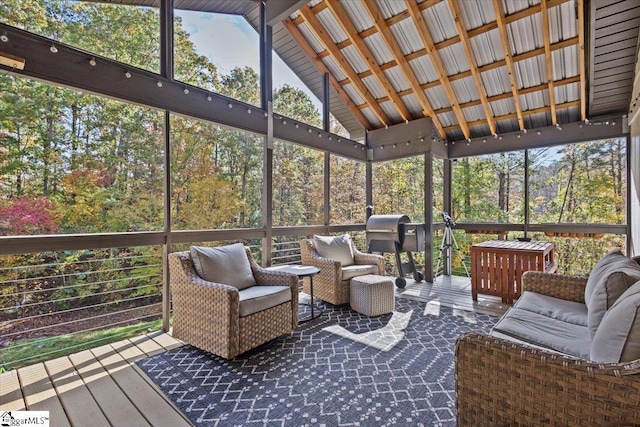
372	295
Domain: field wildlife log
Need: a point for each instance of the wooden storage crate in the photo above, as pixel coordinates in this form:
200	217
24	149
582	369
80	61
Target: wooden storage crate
497	266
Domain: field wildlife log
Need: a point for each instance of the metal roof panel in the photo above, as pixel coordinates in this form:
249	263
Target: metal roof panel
331	25
359	16
406	35
440	23
397	78
378	49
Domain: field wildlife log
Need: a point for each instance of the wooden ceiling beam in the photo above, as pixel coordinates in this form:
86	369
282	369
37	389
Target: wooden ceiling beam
581	59
436	61
387	36
544	12
347	26
506	47
317	27
514	115
322	68
473	66
508	95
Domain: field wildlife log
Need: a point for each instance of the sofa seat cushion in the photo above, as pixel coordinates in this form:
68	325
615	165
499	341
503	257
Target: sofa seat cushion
543	331
355	270
556	308
263	297
618	336
228	265
335	247
611	276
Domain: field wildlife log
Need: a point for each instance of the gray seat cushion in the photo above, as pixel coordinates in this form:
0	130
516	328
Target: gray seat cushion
618	336
228	265
556	308
611	276
337	248
546	332
356	270
263	297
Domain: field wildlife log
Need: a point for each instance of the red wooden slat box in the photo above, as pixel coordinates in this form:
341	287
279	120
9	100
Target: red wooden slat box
497	266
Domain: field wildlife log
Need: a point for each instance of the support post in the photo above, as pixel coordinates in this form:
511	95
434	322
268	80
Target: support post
266	99
428	217
326	125
166	70
526	193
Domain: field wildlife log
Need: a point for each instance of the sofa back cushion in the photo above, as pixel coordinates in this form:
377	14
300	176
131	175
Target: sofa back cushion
335	247
618	336
609	279
228	265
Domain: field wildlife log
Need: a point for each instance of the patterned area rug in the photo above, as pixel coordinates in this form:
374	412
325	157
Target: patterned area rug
341	369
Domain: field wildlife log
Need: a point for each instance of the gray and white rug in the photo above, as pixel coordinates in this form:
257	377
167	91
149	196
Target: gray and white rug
342	369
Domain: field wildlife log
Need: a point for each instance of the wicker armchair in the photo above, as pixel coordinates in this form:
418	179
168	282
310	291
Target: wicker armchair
328	284
207	314
502	383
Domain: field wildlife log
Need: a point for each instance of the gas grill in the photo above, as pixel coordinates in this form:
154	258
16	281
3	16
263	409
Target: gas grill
396	234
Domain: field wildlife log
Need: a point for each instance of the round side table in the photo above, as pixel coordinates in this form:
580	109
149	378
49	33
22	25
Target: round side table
302	271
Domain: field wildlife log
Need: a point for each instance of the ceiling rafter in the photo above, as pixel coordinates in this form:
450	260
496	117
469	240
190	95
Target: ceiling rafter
507	95
306	47
506	47
473	66
544	12
436	61
385	32
325	38
514	115
347	26
501	63
581	59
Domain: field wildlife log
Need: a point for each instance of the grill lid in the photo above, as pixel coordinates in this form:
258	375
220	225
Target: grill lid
386	223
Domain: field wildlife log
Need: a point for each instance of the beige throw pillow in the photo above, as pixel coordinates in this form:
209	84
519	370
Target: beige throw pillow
609	279
618	336
335	247
228	265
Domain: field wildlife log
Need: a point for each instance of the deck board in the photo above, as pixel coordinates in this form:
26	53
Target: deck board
147	344
114	403
145	398
40	395
10	392
74	395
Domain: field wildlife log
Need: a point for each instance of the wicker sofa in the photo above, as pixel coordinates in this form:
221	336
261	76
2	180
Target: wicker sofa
332	283
506	380
209	315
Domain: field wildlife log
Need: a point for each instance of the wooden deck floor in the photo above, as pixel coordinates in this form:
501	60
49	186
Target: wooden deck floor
452	291
103	387
97	387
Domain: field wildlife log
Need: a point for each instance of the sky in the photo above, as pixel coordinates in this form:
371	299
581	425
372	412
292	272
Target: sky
229	41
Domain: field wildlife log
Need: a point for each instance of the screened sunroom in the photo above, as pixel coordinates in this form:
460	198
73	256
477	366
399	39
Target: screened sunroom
132	129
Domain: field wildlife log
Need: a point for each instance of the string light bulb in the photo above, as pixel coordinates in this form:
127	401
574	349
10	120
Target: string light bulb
186	91
4	37
92	62
127	74
53	49
230	105
209	98
159	83
248	110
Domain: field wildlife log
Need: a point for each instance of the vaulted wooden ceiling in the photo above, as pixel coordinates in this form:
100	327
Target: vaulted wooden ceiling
475	67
